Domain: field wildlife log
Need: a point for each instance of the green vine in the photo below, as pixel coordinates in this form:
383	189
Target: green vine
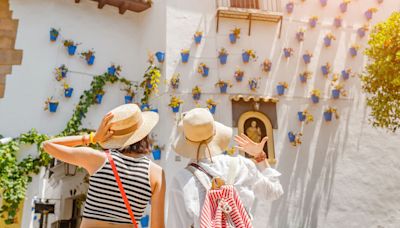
150	83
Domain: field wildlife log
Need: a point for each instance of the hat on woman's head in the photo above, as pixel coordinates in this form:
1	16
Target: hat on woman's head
198	133
130	125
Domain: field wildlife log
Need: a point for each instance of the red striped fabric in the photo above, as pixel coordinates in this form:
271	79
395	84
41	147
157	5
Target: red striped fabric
223	207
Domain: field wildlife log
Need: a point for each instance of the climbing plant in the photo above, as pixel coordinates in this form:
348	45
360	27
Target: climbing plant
150	82
381	80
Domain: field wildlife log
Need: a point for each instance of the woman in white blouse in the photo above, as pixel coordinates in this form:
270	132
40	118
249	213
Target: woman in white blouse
204	140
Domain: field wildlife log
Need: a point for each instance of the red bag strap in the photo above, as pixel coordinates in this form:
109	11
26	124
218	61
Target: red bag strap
121	188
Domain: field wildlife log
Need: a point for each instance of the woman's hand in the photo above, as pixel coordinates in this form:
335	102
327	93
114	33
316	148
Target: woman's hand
103	133
247	145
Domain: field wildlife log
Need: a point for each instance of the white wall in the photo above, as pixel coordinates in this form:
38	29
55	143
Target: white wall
345	172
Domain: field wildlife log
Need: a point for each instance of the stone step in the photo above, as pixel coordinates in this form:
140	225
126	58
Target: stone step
8	24
7	42
10	56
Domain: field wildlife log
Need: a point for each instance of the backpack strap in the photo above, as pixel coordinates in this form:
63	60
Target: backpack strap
121	188
201	174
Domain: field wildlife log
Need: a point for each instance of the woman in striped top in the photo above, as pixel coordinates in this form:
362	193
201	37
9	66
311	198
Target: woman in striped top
124	134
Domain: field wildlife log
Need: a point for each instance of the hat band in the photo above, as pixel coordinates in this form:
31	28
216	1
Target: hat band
128	130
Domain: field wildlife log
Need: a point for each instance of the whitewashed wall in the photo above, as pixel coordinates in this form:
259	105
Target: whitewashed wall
343	175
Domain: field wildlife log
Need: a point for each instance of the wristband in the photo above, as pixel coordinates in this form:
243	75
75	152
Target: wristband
260	157
91	137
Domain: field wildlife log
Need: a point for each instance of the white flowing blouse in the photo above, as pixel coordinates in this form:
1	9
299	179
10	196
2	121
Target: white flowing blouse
251	181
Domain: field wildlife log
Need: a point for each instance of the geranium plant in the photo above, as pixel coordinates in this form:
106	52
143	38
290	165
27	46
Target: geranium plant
197	37
280	88
295	138
328	39
305	76
51	104
196	92
185	55
203	69
67	90
223	55
61	72
338	89
239	74
129	94
54	34
362	30
71	46
354	50
313	21
211	105
248	54
328	113
266	65
114	70
175	79
175	103
326	69
368	14
307	57
223	85
88	56
343	5
305	116
287	52
346	74
300	35
234	35
315	95
253	84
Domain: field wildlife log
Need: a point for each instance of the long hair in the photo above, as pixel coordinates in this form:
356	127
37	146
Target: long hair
141	147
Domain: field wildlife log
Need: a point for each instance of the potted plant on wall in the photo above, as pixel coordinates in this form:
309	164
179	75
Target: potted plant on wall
328	39
234	35
156	151
312	22
300	35
290	7
295	138
305	76
362	30
307	57
61	72
160	56
354	50
203	69
174	82
223	85
51	104
266	66
197	37
326	69
71	46
114	69
54	34
175	104
379	1
280	88
287	52
223	56
368	14
315	95
337	22
196	93
211	105
88	56
343	6
247	55
67	90
253	84
305	116
185	55
239	75
99	93
337	90
329	112
323	2
346	74
130	94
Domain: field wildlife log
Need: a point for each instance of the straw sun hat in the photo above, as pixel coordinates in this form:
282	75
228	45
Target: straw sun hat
199	136
130	125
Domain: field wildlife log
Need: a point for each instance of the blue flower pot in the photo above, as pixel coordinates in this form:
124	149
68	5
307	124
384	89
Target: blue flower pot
239	78
144	107
328	116
149	85
71	49
176	109
353	52
64	74
337	22
175	85
312	23
280	89
197	39
361	32
90	61
144	221
212	109
314	99
185	57
327	42
325	70
323	2
301	116
223	58
223	88
245	57
111	70
206	70
232	38
99	98
53	37
128	99
335	94
253	86
160	56
53	106
307	59
287	53
68	92
292	137
196	96
303	78
368	15
289	7
154	110
343	7
345	75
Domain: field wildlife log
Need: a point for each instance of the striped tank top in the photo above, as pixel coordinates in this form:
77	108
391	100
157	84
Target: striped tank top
104	201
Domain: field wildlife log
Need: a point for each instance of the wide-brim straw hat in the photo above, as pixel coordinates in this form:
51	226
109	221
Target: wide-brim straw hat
199	136
130	125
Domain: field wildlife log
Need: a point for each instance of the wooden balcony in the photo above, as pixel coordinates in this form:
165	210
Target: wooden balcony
124	5
251	10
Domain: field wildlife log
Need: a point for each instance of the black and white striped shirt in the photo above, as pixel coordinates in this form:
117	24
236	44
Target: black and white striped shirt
104	201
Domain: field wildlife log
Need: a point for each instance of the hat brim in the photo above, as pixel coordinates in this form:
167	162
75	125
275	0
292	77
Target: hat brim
150	120
218	144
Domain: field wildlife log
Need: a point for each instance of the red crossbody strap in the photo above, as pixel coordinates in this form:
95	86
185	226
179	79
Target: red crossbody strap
121	188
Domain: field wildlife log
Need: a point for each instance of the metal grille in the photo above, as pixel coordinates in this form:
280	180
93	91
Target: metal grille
266	5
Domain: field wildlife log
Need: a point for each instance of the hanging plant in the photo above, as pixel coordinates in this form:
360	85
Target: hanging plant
185	55
114	70
71	46
239	75
223	86
307	57
295	138
54	34
68	90
197	37
234	35
305	116
247	55
51	104
174	82
253	84
315	95
211	105
305	76
175	103
312	22
323	2
223	56
196	93
329	112
156	151
280	88
369	13
300	35
343	6
287	52
160	56
88	56
290	7
326	69
353	50
150	82
362	30
337	89
328	39
266	66
203	69
98	97
130	94
346	74
337	22
61	72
